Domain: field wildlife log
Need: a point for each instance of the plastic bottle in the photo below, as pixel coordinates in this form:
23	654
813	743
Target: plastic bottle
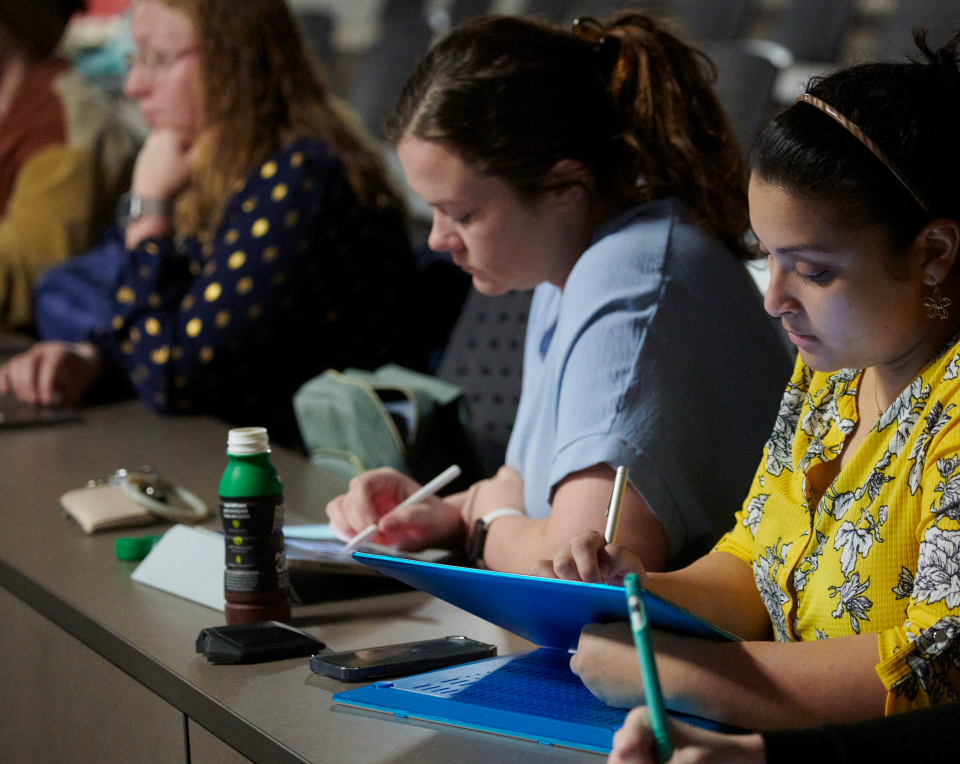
256	580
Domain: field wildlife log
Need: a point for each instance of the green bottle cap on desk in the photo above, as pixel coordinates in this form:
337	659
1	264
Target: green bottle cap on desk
135	548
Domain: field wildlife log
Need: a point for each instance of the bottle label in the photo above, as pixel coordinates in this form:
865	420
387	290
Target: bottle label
255	552
255	581
252	516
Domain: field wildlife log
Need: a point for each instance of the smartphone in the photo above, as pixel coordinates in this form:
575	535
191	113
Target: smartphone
400	660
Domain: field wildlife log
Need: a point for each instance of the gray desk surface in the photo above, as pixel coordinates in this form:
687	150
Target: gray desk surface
275	712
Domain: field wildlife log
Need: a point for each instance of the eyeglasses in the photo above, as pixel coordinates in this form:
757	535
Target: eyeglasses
155	61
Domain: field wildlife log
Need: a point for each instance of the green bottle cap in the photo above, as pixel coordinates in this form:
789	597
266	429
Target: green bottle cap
135	548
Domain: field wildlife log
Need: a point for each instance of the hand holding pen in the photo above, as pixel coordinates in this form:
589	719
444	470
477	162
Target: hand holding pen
439	482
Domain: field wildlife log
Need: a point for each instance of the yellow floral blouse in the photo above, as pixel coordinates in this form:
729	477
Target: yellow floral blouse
881	551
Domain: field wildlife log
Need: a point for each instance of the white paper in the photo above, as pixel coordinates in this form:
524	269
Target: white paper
309	532
188	562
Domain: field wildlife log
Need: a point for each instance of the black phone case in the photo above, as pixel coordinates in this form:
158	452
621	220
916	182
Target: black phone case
473	651
256	643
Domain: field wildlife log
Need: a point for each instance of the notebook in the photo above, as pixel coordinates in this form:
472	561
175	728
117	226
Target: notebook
533	696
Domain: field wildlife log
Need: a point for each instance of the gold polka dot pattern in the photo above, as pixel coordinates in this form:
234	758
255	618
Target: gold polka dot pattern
194	327
237	259
212	292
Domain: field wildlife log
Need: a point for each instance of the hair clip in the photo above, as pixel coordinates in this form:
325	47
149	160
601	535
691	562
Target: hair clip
605	46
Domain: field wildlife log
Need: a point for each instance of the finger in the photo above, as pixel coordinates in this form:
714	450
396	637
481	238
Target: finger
49	364
543	569
421	524
633	742
617	561
564	564
584	549
338	524
23	375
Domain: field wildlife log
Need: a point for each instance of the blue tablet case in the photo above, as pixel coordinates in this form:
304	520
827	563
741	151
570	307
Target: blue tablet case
532	695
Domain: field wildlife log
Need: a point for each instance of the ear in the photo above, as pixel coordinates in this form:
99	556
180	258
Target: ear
570	182
935	249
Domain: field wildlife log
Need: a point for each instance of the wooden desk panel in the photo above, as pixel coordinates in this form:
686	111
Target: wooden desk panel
275	712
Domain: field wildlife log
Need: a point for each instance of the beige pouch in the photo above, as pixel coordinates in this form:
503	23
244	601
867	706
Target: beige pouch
103	507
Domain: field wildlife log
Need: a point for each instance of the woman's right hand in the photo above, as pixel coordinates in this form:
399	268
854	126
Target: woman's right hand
51	373
372	495
634	744
163	166
589	558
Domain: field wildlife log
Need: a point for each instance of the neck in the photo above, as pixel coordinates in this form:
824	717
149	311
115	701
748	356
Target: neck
598	212
893	377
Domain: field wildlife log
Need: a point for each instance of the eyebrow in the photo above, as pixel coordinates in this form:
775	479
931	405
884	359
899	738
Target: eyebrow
796	248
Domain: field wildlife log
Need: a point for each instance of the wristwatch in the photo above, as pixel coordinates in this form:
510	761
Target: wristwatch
479	537
133	206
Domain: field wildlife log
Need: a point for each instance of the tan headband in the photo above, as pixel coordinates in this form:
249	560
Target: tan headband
861	136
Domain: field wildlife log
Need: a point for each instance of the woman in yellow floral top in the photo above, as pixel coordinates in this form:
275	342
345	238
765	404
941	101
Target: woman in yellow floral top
842	571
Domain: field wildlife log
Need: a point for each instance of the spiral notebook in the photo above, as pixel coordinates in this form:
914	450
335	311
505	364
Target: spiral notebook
534	695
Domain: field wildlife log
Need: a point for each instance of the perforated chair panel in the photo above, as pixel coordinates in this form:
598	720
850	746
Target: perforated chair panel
814	30
485	358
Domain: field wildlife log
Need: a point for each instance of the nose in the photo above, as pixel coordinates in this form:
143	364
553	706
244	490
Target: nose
443	237
779	300
137	82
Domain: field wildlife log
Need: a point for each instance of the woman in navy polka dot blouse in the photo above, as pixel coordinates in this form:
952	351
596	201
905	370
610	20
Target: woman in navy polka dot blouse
264	243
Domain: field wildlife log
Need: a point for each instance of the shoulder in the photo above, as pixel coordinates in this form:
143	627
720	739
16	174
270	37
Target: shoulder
39	117
301	159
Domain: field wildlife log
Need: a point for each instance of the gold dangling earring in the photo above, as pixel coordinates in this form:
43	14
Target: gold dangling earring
937	305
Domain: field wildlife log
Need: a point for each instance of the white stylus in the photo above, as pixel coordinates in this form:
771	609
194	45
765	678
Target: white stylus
447	476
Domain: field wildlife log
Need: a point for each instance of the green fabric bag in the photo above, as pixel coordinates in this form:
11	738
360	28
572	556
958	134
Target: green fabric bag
393	417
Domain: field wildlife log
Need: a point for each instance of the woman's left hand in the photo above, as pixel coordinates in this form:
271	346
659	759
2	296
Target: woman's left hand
606	662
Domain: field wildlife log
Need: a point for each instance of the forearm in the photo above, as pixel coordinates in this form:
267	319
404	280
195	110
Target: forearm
720	588
768	685
755	685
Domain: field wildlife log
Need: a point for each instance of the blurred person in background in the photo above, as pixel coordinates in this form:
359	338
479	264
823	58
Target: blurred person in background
264	244
63	156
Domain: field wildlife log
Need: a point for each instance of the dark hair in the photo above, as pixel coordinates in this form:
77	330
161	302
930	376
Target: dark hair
38	24
911	110
625	98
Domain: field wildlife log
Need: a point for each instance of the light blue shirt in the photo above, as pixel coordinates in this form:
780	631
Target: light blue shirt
657	355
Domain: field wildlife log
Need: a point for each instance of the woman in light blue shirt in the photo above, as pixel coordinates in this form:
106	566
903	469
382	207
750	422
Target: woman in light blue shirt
597	167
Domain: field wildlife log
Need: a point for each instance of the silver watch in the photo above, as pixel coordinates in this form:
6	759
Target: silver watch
133	206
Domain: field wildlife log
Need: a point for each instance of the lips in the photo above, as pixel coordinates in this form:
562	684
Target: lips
800	340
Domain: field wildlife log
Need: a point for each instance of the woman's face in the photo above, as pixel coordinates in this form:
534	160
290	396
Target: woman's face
503	241
164	75
841	293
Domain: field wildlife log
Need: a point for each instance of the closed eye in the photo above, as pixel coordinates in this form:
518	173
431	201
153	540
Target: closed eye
821	277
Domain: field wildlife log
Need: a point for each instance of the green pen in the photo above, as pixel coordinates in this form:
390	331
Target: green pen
648	668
